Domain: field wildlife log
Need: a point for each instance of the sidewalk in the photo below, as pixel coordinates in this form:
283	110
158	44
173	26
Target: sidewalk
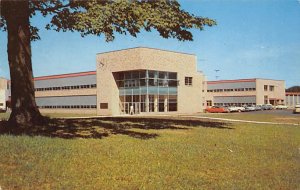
238	120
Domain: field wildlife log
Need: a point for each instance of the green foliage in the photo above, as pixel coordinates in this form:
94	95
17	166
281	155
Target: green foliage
108	17
293	89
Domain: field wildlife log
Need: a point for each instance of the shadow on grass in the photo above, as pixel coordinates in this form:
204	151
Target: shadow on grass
103	127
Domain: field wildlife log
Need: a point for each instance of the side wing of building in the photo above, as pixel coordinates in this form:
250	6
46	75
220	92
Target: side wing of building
71	93
245	92
231	92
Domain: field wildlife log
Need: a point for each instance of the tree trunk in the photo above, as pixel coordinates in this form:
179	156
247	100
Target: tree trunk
24	109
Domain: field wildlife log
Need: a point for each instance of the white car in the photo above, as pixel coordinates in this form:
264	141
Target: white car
236	109
250	108
297	108
281	107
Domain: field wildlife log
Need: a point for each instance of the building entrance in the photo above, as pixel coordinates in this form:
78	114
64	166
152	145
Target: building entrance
136	107
147	91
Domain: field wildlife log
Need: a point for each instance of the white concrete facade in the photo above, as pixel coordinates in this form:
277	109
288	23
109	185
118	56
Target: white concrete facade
292	99
3	93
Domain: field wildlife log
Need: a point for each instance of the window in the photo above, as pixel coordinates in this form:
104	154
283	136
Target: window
188	81
103	105
271	88
209	103
266	99
266	87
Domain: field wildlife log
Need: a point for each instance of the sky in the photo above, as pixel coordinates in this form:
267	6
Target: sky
252	39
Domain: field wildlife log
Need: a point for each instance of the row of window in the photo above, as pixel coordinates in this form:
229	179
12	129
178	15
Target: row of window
145	74
234	104
67	87
271	87
232	89
142	98
69	107
147	82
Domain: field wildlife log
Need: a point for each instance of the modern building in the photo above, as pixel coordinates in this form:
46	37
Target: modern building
245	92
145	80
149	81
292	99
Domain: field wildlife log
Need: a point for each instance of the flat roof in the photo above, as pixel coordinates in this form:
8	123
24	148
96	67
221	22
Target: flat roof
238	80
65	75
292	93
231	81
140	47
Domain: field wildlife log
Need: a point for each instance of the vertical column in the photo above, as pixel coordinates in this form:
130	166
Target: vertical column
294	103
166	104
147	102
147	92
155	103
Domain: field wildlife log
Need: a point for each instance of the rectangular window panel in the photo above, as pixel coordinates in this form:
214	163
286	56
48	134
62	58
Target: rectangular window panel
172	75
188	81
172	106
103	105
142	74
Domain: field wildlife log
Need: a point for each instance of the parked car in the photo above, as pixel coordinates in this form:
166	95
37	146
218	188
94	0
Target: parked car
217	109
281	107
267	107
297	109
236	109
250	108
258	107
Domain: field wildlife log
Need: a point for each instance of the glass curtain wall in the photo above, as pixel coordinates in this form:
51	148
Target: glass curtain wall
147	91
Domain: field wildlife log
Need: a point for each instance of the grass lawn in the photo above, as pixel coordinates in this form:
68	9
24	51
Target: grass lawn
253	116
52	115
147	153
4	115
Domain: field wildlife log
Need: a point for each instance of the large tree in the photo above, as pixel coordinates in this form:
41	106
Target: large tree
293	89
93	17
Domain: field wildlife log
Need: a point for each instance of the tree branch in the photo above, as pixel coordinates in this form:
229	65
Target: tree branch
51	9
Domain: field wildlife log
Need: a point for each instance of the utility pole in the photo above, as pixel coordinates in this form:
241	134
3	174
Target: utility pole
217	70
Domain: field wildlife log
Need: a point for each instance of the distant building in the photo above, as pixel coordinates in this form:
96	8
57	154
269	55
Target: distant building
4	92
292	99
245	92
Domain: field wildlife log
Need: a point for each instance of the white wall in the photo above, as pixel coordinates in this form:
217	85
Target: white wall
2	99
